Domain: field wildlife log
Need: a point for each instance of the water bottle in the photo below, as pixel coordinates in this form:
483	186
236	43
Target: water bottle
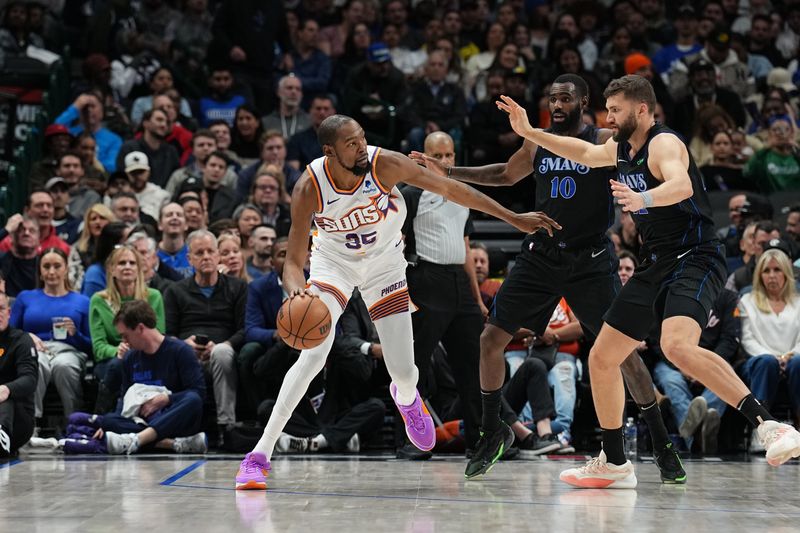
630	439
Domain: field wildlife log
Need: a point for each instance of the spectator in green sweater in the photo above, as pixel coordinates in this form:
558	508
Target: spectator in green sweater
125	273
777	167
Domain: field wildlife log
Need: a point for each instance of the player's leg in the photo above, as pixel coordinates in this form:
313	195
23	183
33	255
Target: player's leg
679	343
590	293
252	472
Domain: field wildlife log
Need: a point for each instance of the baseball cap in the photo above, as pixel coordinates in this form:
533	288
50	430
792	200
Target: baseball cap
719	38
699	65
136	161
192	183
635	62
782	78
378	53
52	182
56	129
757	206
779	244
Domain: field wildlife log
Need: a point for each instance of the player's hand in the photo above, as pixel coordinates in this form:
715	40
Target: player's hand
484	310
301	291
629	199
517	115
431	163
535	220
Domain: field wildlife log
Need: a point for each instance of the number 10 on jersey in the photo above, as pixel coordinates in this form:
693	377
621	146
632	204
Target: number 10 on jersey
564	187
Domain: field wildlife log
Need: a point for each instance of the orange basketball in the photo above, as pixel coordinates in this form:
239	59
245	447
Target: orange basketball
304	322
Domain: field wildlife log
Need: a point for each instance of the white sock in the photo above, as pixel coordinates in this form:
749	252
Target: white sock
397	341
296	382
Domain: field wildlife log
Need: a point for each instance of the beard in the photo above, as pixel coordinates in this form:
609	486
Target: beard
572	121
625	130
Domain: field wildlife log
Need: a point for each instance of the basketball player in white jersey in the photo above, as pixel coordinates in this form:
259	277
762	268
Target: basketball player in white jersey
350	194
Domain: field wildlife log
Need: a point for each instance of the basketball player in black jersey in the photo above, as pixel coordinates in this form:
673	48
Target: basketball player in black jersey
578	263
681	272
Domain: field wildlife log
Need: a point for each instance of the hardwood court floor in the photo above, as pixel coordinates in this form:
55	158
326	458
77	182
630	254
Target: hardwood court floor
188	494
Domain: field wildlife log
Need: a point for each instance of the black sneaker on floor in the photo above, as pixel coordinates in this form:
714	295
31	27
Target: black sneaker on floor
412	453
490	449
535	445
670	465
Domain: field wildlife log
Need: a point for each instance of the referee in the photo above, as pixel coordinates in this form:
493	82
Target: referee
442	284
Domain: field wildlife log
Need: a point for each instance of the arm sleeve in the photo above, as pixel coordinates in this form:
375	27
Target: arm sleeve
255	321
27	364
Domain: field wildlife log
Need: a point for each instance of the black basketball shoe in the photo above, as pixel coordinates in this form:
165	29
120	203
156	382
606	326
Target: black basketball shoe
670	465
491	447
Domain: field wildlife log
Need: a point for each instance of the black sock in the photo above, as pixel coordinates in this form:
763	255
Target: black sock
613	445
491	410
655	423
753	410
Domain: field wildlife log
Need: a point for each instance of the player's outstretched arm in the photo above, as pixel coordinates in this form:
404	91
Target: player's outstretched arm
669	162
304	203
518	166
578	150
395	167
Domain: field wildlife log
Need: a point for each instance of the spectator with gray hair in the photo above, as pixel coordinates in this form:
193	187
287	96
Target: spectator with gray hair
207	311
157	275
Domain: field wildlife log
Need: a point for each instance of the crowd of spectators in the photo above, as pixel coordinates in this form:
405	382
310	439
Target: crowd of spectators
168	181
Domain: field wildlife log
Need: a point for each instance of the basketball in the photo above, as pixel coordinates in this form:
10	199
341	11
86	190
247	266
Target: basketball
304	322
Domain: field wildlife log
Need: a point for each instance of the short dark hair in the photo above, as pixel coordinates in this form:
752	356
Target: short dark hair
136	312
218	122
208	134
794	208
34	191
125	194
625	254
264	225
326	134
219	155
633	87
147	115
581	87
70	153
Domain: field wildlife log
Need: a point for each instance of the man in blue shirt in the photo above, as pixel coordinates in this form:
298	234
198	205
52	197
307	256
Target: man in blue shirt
168	420
86	113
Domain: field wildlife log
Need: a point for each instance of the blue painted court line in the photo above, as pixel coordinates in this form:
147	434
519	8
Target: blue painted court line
172	479
10	463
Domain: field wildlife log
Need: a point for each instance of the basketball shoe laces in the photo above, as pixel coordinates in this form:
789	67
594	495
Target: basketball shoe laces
415	416
773	435
252	467
595	466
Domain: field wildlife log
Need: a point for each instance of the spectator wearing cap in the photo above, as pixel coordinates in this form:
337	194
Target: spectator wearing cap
81	197
770	333
729	72
776	167
172	249
86	114
288	118
304	147
310	64
150	196
686	42
703	89
435	104
39	207
57	140
371	91
203	143
66	225
162	157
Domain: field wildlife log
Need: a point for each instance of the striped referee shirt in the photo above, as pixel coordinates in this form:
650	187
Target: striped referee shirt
435	227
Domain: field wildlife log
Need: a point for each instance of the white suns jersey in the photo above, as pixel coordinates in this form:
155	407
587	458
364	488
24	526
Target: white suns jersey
363	222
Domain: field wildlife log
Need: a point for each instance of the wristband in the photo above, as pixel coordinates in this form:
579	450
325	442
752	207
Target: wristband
647	198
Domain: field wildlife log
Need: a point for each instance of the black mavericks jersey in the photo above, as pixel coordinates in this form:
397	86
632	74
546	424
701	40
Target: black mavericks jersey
671	227
576	196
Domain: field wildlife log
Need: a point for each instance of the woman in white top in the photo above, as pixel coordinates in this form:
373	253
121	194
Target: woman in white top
771	329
